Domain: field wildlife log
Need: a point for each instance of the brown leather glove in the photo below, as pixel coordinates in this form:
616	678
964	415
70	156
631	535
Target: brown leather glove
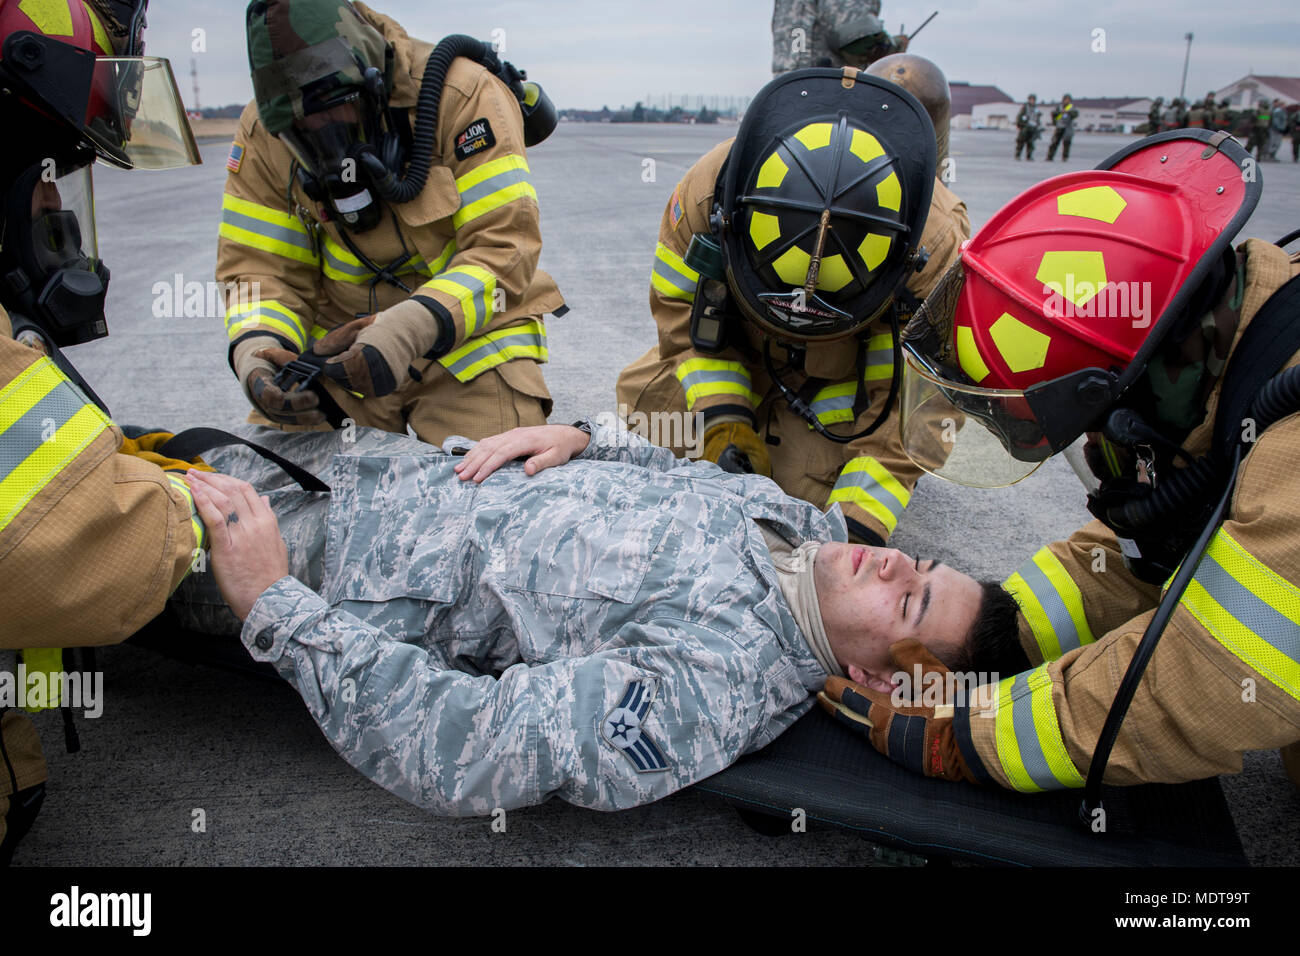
918	736
359	369
733	445
298	406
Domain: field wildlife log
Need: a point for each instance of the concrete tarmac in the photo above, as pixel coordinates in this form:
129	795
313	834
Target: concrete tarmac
190	765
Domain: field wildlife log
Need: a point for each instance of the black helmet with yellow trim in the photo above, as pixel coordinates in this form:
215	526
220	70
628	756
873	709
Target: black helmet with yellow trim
823	201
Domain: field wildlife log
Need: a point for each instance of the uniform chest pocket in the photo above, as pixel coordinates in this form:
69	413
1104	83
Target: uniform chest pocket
589	553
412	552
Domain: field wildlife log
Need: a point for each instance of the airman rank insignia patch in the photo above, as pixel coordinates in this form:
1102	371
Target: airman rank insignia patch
475	138
236	158
623	728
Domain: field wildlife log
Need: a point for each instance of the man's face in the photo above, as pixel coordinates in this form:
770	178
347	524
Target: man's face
872	598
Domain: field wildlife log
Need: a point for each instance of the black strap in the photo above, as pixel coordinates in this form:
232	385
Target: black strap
194	442
1268	343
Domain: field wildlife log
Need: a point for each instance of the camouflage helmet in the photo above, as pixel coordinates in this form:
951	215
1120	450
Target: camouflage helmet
306	54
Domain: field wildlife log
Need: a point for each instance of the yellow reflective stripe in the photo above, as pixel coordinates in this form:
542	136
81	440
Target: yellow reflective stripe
266	314
492	186
38	469
196	523
834	403
473	358
471	288
47	661
341	265
672	276
866	483
705	378
1051	603
1028	736
880	358
269	230
1250	609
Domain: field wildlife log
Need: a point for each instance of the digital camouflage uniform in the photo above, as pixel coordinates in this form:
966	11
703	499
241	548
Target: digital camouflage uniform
805	32
871	478
94	533
608	631
1225	677
1064	119
469	243
1028	130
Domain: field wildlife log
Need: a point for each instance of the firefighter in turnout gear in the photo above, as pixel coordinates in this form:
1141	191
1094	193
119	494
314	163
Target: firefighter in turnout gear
782	258
96	528
380	229
1178	397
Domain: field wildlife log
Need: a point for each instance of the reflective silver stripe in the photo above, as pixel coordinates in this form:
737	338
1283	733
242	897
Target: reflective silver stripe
674	278
492	184
279	233
1265	622
709	376
483	305
525	337
1032	757
826	406
347	268
869	484
1053	605
37	425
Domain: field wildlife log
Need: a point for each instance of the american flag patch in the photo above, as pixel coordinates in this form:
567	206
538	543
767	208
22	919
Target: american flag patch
236	157
675	207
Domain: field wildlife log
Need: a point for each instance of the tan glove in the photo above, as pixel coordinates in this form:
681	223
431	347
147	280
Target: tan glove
734	445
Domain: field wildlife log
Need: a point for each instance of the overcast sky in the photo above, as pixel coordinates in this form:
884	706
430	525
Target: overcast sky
589	53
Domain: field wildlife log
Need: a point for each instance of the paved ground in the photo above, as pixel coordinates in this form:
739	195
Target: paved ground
176	740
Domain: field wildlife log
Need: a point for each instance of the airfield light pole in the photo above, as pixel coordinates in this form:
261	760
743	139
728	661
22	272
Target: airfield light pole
1182	90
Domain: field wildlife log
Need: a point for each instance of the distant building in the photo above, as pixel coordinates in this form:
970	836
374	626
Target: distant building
966	97
1250	89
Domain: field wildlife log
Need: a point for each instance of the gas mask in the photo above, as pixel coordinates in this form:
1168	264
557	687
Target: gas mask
50	272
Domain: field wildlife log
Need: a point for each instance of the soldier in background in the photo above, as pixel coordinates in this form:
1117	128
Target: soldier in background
1063	118
829	33
1261	120
1224	117
1198	117
1028	128
1276	129
1153	117
1293	130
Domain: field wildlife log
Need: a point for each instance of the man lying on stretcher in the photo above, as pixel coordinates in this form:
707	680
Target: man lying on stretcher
477	633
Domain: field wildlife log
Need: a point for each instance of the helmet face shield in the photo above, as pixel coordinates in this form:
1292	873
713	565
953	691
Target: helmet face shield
63	224
135	118
974	436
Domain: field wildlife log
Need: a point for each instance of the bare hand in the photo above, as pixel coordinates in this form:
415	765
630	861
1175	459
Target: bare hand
248	554
543	445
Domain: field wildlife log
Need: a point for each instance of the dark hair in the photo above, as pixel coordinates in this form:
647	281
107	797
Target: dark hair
993	644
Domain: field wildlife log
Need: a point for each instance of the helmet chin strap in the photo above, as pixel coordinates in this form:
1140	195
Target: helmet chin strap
804	411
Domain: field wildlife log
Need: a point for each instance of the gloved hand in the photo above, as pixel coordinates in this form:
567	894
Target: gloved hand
732	445
353	365
298	406
920	738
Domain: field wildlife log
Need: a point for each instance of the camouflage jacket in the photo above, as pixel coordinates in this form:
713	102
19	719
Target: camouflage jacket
608	632
802	31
